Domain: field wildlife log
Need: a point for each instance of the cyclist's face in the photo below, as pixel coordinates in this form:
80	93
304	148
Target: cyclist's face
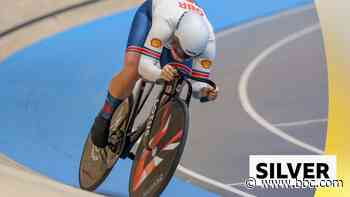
177	52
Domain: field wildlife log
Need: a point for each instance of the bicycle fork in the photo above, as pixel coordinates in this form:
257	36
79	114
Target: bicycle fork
150	122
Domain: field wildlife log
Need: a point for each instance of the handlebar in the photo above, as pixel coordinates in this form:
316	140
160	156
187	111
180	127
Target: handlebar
184	75
207	81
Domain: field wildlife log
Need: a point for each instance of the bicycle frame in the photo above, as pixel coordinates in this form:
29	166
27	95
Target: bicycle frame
171	90
175	90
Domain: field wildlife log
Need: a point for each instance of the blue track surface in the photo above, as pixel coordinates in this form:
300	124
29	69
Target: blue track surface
51	91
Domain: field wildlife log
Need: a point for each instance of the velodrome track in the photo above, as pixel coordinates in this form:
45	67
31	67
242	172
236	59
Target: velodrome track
280	56
274	99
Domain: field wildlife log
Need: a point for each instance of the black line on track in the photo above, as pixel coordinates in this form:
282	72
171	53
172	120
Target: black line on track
45	16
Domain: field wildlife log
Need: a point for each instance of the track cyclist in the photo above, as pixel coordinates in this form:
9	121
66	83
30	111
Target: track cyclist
164	34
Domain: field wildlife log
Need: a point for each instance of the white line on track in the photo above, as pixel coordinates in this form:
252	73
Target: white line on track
229	31
213	182
300	123
236	184
243	85
221	34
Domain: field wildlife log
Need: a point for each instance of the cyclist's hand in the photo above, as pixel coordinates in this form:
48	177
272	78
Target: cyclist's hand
168	73
210	93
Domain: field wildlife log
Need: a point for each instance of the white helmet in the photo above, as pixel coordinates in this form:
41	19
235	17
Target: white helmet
193	33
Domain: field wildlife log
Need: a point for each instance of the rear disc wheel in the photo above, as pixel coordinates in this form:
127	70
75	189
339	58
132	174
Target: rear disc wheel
96	163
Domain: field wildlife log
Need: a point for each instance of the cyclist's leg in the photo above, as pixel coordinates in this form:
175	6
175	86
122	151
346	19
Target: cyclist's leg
123	83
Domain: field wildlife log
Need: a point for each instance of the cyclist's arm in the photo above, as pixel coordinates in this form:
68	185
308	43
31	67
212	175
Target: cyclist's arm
202	66
149	67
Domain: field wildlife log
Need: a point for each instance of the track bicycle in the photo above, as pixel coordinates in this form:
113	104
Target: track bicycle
160	139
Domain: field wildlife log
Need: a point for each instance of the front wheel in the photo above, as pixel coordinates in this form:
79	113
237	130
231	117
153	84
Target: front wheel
96	163
155	165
